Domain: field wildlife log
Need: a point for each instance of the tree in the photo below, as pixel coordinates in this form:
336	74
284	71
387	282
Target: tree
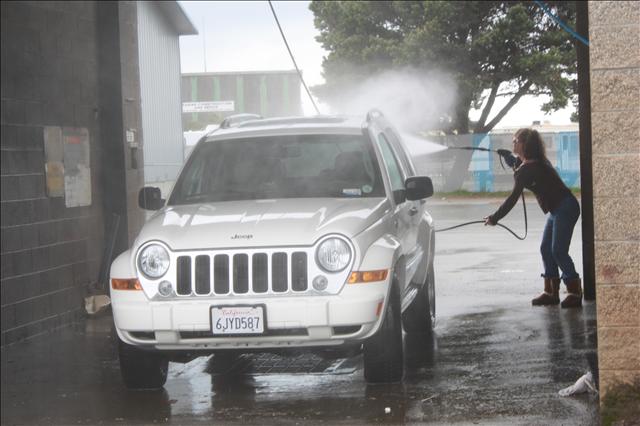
492	49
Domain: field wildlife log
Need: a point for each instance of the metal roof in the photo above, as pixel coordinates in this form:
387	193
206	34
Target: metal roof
177	17
218	73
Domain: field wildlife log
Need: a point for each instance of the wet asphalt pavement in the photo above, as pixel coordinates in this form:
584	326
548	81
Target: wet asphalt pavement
497	360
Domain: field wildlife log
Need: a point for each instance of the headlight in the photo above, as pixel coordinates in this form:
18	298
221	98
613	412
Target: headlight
153	261
333	255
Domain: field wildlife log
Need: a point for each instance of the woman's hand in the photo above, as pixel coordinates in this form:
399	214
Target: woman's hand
488	221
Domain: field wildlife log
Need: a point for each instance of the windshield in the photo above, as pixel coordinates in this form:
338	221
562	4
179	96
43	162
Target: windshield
292	166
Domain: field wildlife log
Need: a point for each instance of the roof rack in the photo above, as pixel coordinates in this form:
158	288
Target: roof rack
294	120
234	120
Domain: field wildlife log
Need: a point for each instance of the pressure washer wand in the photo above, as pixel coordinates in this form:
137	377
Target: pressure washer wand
472	148
502	153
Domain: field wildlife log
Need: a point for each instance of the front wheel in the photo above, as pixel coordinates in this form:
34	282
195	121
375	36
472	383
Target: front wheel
420	316
142	369
383	354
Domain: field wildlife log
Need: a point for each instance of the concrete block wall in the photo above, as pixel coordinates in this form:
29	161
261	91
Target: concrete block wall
614	32
52	76
50	253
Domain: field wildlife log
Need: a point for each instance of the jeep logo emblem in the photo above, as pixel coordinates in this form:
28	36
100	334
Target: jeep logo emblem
242	237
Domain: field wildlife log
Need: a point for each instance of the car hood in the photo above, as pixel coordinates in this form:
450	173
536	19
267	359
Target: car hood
259	223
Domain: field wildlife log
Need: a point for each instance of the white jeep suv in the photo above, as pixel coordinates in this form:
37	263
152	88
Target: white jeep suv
280	233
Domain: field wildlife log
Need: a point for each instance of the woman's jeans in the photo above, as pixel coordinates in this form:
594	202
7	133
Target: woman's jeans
557	237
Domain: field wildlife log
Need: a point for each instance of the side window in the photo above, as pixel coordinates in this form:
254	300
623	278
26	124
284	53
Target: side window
400	150
391	163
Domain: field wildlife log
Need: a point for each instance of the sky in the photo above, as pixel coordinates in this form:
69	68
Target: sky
243	36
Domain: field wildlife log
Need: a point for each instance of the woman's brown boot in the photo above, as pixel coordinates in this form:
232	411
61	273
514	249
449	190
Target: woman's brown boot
574	298
551	293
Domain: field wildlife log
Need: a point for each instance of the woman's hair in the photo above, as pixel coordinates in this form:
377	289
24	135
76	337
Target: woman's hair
532	144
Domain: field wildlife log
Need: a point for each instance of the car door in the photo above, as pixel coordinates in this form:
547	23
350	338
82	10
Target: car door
402	216
417	206
416	239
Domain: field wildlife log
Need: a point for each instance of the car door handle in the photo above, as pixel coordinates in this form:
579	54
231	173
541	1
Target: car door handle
413	211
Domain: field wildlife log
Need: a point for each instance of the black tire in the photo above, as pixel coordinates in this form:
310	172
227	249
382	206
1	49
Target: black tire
420	316
383	353
142	369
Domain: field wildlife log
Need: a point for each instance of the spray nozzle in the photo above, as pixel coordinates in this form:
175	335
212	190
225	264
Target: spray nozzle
509	158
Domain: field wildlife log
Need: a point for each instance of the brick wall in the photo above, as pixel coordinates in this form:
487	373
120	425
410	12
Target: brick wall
614	32
51	76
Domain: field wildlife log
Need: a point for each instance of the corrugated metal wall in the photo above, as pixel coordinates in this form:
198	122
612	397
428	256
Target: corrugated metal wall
159	53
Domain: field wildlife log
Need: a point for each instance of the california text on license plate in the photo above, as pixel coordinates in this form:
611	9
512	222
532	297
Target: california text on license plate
237	319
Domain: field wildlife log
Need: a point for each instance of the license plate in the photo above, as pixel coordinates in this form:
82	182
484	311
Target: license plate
237	320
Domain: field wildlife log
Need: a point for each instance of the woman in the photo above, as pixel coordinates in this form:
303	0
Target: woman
534	172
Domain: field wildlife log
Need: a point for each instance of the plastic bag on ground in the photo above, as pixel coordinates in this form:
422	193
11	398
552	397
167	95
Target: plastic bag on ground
96	304
582	385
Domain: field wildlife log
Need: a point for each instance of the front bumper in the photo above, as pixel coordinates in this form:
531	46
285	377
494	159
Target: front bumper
292	321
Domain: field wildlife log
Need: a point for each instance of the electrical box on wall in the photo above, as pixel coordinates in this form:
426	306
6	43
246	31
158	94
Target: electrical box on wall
131	138
132	141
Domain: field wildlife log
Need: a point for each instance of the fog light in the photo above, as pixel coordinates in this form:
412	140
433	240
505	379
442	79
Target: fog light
165	288
320	283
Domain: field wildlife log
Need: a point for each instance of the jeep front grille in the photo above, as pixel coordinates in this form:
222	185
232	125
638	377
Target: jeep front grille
241	273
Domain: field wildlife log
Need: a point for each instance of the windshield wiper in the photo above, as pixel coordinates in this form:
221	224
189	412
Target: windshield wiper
195	197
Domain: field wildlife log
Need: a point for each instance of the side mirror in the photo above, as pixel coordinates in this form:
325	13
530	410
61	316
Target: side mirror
150	198
418	188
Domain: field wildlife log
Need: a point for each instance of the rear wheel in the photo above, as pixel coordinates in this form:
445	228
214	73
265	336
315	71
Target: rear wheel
142	369
420	316
383	355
